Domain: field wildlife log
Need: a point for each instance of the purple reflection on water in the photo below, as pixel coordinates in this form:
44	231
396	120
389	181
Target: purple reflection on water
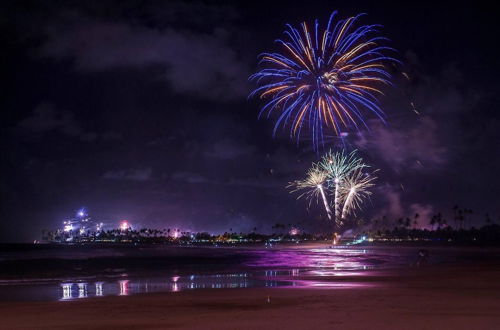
337	259
287	268
328	285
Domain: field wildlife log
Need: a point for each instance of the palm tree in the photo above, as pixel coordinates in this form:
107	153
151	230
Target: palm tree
433	221
469	211
488	219
407	223
459	217
455	216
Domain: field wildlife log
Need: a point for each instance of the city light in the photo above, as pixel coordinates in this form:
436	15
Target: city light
124	225
81	213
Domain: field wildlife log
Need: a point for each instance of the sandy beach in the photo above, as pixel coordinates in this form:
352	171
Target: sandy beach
453	297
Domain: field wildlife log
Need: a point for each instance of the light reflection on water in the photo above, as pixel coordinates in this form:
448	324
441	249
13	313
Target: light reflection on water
338	259
127	287
98	289
268	279
313	268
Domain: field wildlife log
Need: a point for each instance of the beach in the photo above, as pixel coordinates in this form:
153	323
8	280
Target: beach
431	297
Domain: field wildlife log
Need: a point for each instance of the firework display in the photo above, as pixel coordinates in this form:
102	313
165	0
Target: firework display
326	80
354	190
313	184
343	177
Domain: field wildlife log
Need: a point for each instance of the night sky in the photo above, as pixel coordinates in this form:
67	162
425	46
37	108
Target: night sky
138	110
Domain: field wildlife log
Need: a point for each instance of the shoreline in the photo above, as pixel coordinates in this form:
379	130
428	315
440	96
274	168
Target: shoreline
417	298
110	262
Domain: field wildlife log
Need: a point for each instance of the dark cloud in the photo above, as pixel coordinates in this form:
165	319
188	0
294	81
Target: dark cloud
393	204
227	149
131	174
415	146
263	183
89	136
197	63
45	119
190	177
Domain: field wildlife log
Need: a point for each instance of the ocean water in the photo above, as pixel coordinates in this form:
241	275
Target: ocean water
67	273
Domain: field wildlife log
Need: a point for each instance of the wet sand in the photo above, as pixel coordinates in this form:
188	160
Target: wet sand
451	297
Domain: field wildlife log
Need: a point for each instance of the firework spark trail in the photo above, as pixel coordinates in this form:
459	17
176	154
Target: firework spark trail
338	166
356	188
328	78
336	203
347	203
313	186
328	211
